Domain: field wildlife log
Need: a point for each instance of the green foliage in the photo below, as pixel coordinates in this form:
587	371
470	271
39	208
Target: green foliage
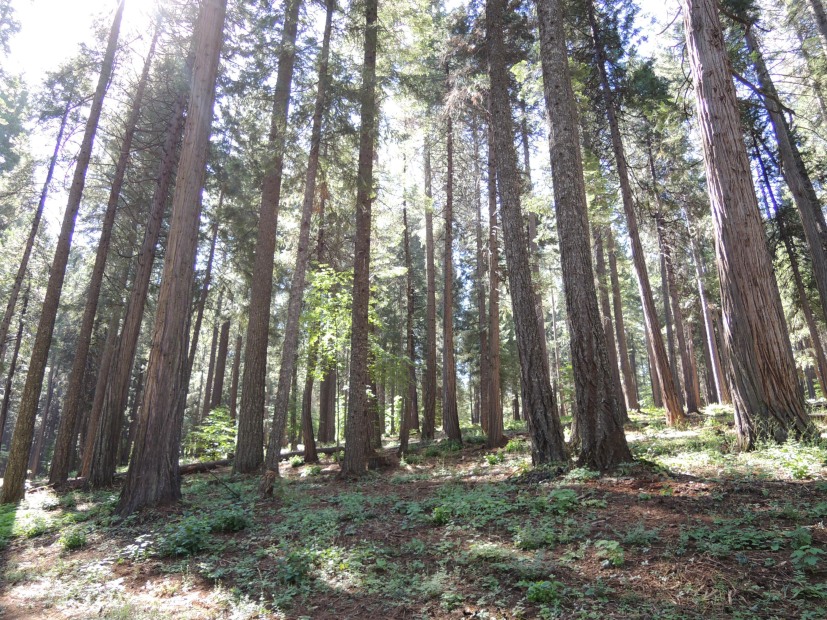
73	538
33	527
610	551
562	501
582	474
8	514
807	558
296	461
229	520
186	537
641	536
516	446
440	515
293	568
543	591
214	438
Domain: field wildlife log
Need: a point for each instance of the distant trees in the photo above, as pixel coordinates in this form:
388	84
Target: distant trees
429	308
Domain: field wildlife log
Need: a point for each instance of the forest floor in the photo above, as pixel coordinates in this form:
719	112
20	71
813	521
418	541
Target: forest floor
691	530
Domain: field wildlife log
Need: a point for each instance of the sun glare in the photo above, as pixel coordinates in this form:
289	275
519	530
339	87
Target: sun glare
51	30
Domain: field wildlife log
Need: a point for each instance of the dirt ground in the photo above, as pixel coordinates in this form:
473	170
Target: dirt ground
688	531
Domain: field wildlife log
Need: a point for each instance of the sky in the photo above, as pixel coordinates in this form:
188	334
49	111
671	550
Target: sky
51	31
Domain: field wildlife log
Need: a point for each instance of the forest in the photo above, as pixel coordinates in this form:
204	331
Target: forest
414	309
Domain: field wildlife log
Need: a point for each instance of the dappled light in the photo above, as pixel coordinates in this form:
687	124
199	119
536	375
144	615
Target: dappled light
413	309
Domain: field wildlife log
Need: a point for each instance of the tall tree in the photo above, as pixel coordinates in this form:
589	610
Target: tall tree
7	388
117	388
493	418
68	428
249	454
27	250
153	477
294	303
720	384
627	374
692	398
220	366
429	388
768	400
235	376
206	405
601	441
484	355
24	428
450	414
410	398
671	400
354	462
541	406
793	167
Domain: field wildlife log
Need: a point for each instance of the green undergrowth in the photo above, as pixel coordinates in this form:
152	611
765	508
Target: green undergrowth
691	530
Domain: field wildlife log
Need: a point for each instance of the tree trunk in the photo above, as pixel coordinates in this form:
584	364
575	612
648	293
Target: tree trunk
627	374
250	443
690	373
533	248
93	425
4	408
484	359
153	477
768	400
429	387
721	387
24	428
541	406
45	424
558	387
354	462
68	429
293	406
201	304
132	420
450	415
667	319
606	311
327	405
654	379
801	293
690	352
206	404
235	373
27	250
110	348
492	424
671	399
821	21
410	399
220	366
309	442
793	168
294	304
117	389
600	407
